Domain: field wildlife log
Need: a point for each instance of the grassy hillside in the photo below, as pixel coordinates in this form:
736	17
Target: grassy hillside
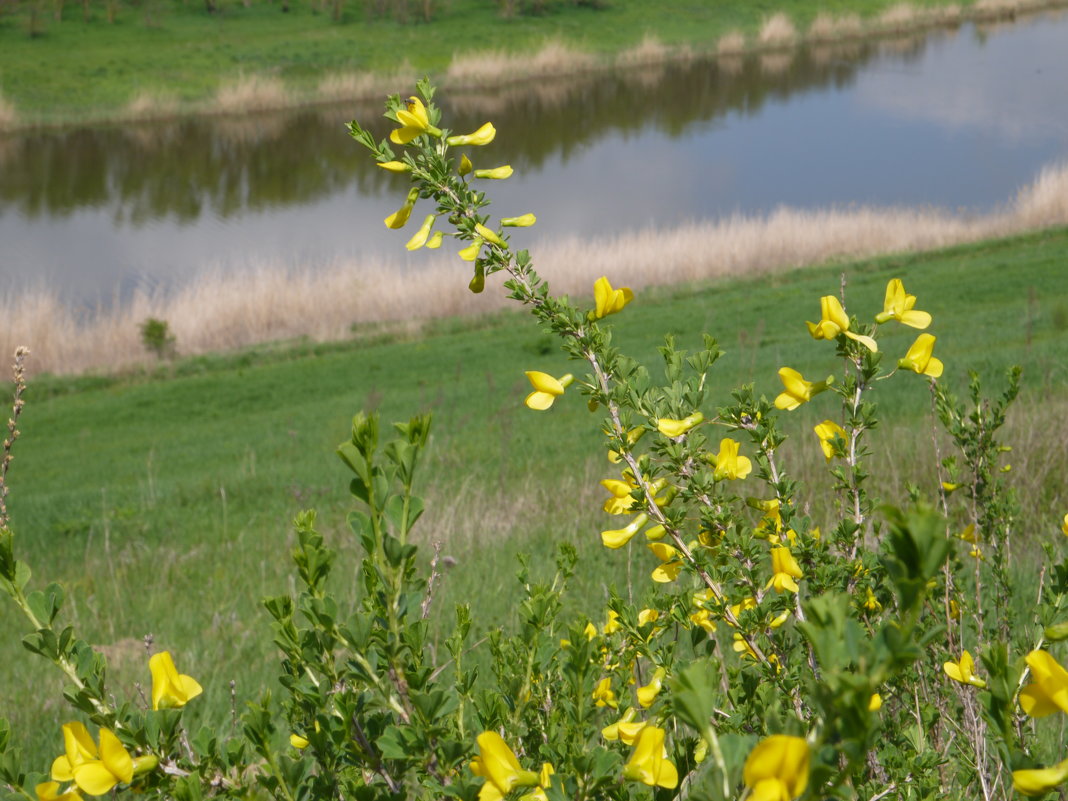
163	501
162	55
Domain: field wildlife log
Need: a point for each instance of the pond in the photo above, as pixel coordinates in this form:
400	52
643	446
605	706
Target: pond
957	119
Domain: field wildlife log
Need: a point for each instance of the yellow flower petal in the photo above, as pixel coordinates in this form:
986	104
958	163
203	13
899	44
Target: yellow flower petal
777	768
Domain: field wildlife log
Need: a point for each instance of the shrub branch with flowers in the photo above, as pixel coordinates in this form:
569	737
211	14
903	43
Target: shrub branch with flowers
879	652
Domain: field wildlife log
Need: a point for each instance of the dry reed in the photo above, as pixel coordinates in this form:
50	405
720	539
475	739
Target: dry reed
777	31
250	93
731	44
233	307
150	106
553	59
8	116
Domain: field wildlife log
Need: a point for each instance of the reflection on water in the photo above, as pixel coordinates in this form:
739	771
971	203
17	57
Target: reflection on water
951	118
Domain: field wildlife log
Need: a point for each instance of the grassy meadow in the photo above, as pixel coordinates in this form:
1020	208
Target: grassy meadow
66	63
162	499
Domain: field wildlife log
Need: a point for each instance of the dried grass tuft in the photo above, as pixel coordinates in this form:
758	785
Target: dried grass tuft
777	31
150	106
731	44
251	93
991	10
8	116
897	19
649	51
492	68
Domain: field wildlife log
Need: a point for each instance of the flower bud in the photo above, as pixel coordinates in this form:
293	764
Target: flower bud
522	221
490	236
498	173
483	136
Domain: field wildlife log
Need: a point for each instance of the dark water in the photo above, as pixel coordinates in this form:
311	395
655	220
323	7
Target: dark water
956	119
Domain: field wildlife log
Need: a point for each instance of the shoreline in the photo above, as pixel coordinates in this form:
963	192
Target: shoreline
484	71
227	310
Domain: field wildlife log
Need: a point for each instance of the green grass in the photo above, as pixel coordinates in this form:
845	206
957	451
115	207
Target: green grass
162	500
74	70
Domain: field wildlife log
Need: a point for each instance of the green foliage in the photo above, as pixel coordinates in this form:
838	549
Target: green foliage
765	650
157	338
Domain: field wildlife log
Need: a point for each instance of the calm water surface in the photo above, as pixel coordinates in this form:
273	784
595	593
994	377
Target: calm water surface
956	119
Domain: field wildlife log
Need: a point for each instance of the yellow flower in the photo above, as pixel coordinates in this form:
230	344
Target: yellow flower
169	688
919	358
968	535
420	237
742	647
522	221
648	616
546	389
777	768
398	218
744	605
1064	528
798	390
676	428
648	693
771	521
499	173
298	742
625	729
621	503
490	236
414	120
784	570
95	772
608	300
963	671
949	486
729	465
1049	690
612	625
703	618
648	762
1040	781
435	240
828	431
898	306
394	166
780	619
49	791
875	703
465	166
483	136
603	694
497	763
833	321
617	538
669	570
633	436
871	603
470	253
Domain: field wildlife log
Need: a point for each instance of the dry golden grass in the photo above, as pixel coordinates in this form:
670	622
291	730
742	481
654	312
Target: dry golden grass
995	9
150	106
9	118
731	44
554	59
234	307
651	51
777	31
899	18
250	93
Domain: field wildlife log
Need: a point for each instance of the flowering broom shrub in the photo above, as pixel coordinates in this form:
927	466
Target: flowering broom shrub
882	652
